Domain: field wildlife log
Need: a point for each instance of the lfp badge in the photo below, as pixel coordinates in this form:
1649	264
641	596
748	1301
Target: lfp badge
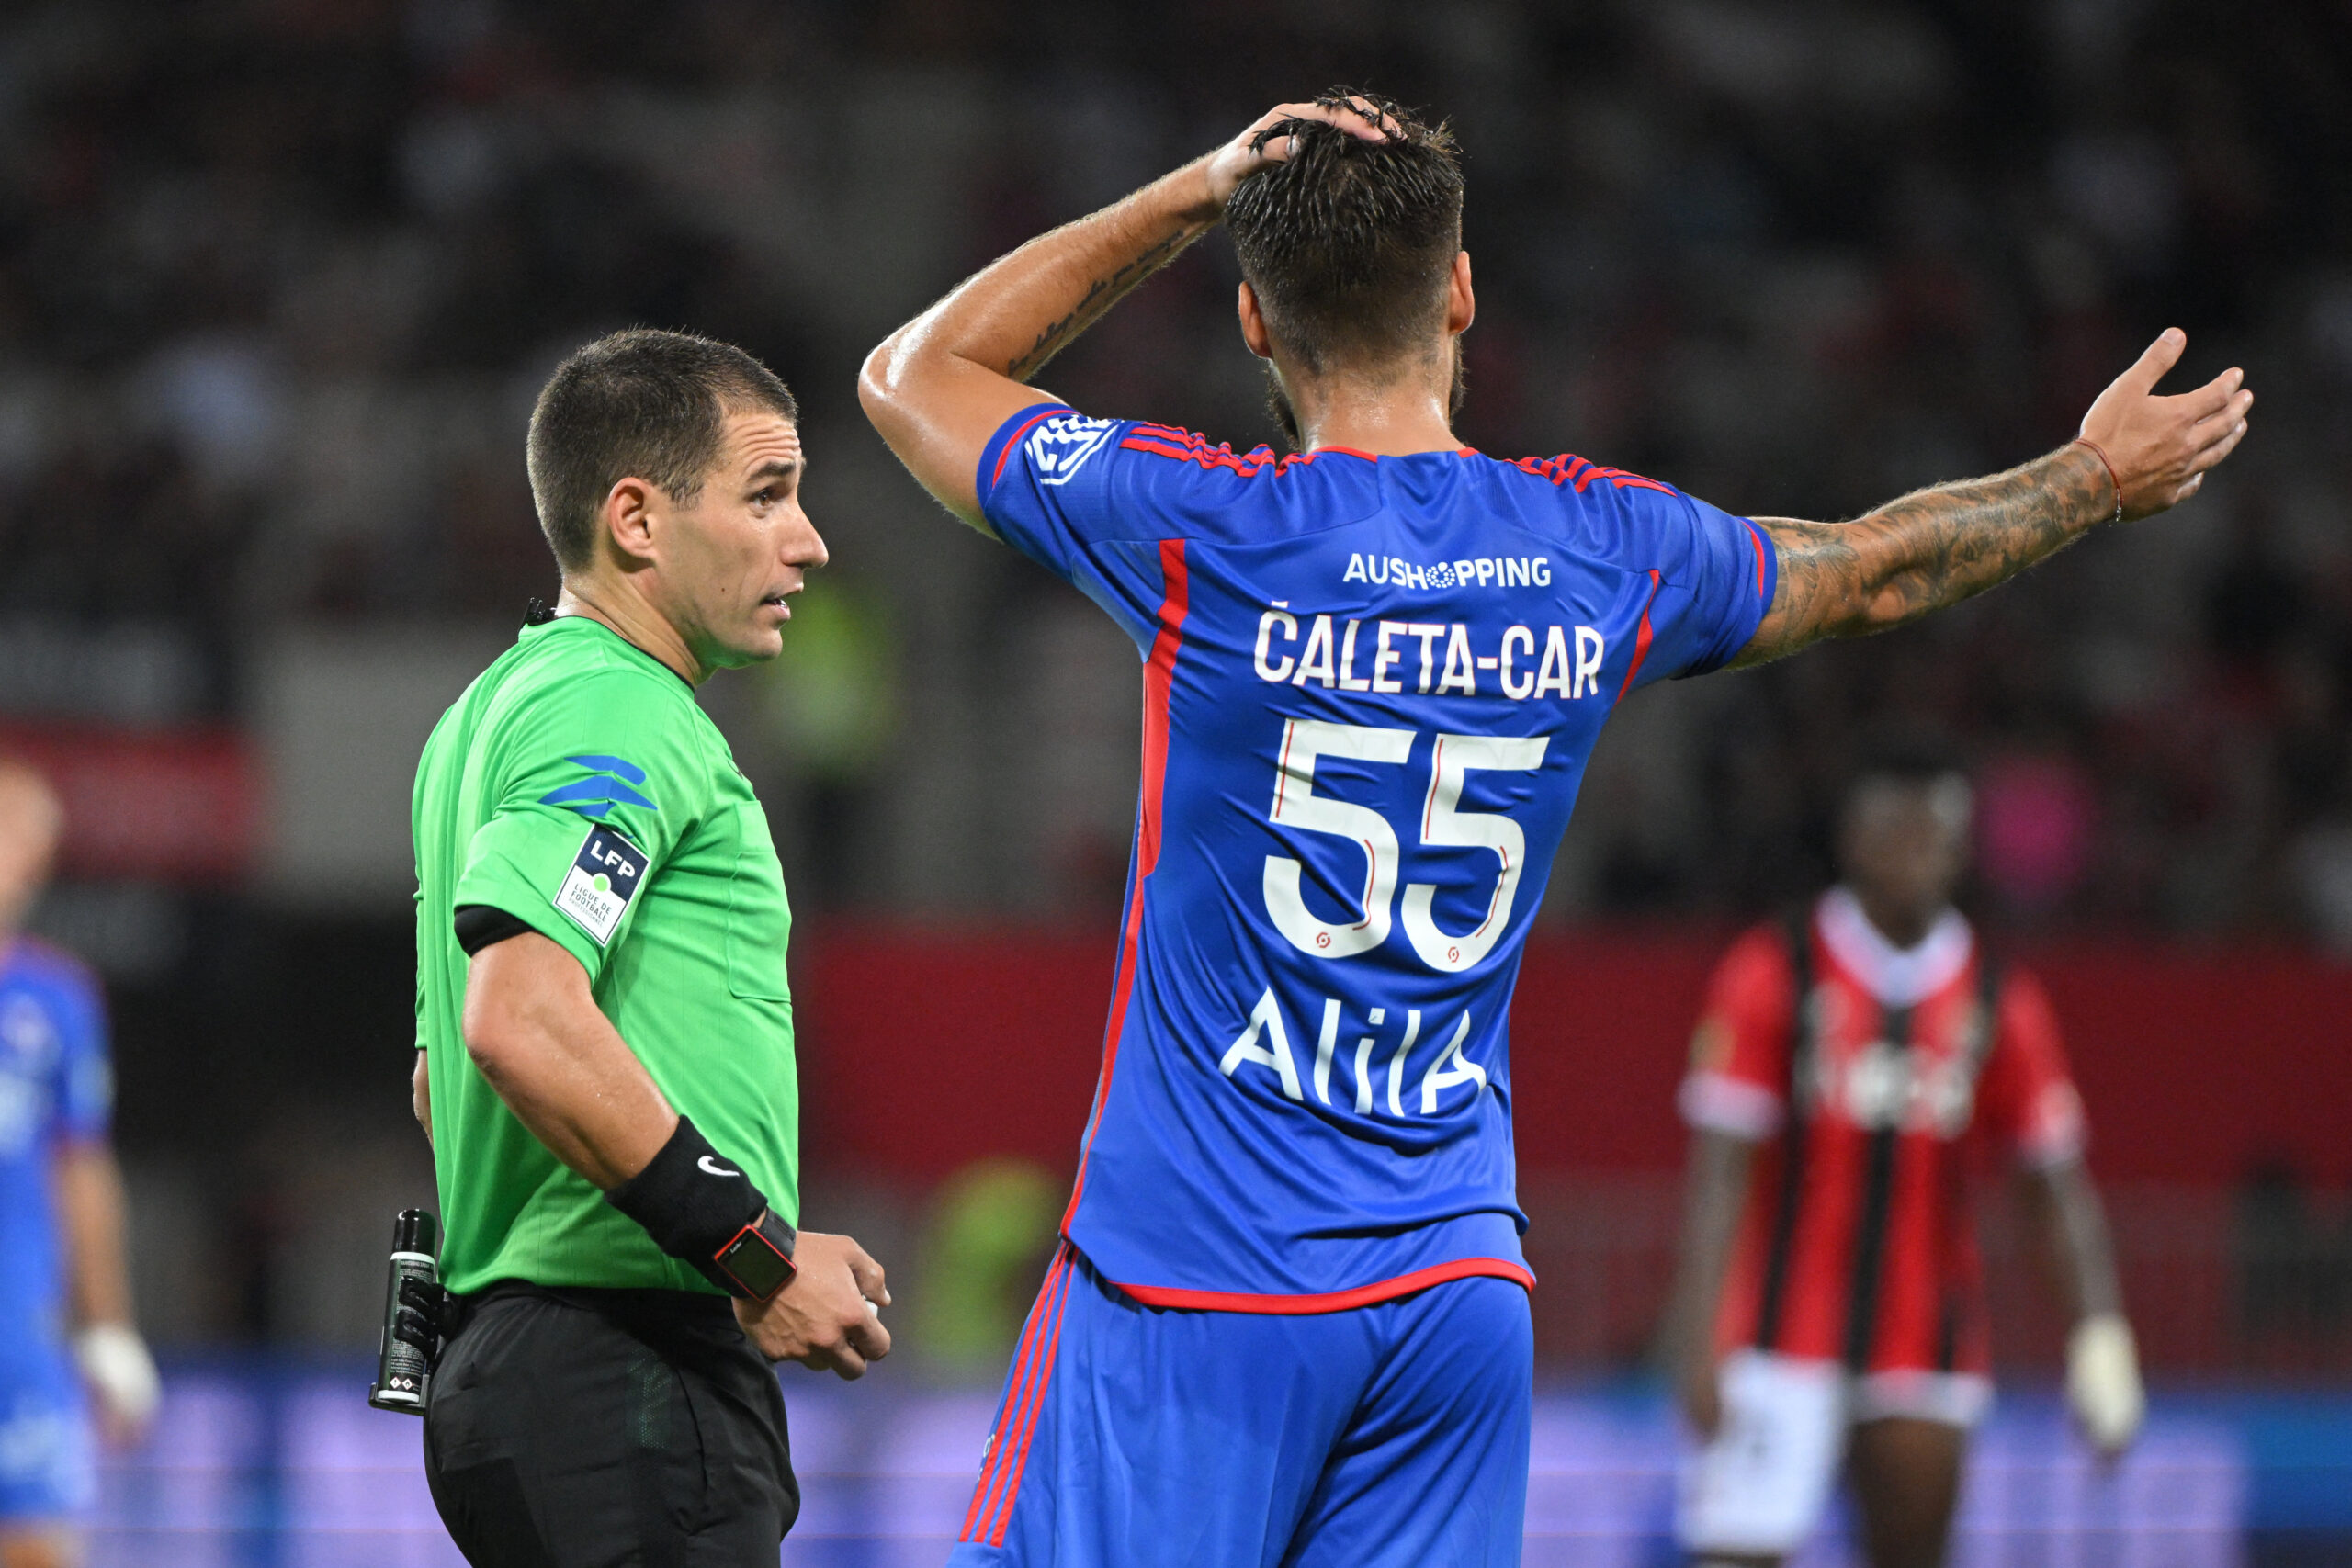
604	877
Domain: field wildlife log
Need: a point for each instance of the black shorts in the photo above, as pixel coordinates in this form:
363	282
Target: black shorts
579	1428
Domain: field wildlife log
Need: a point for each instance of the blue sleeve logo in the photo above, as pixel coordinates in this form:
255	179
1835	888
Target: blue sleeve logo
608	786
1061	445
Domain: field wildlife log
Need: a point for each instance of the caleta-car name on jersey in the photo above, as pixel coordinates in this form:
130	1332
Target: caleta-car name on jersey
1436	658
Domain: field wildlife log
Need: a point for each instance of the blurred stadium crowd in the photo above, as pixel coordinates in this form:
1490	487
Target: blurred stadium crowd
278	279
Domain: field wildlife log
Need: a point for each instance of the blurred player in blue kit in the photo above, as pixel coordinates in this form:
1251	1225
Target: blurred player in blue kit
1288	1321
64	1293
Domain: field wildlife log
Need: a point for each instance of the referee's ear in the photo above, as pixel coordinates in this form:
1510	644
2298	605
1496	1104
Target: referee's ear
633	512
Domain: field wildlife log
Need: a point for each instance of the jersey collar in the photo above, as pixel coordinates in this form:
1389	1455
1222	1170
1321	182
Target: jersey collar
1897	977
546	627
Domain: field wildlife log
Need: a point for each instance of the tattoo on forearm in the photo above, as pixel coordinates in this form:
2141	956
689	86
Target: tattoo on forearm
1928	549
1101	295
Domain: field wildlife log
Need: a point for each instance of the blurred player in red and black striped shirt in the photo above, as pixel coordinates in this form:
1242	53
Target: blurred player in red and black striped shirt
1856	1065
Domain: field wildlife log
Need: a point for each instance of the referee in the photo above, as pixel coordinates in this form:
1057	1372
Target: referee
604	1028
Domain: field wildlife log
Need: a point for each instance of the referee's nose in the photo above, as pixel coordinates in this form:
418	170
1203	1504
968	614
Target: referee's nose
803	546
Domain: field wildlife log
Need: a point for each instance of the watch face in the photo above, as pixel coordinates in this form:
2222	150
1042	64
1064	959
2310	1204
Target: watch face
753	1262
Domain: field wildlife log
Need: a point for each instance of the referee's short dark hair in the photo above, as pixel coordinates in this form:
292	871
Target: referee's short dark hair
640	403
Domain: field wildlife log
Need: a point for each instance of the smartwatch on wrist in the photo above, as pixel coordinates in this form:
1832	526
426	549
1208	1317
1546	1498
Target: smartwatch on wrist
758	1259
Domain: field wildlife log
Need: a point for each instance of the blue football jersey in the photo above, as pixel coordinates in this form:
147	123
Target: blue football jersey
1370	688
55	1086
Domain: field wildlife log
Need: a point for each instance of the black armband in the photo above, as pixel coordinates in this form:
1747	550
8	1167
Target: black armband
479	925
701	1210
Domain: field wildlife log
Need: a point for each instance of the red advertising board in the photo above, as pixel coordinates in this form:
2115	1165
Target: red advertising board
927	1048
168	805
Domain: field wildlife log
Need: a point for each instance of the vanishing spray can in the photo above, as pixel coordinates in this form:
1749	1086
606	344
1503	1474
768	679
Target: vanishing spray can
403	1372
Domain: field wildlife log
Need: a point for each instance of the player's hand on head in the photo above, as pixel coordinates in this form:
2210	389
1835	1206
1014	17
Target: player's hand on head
2162	447
828	1316
1268	141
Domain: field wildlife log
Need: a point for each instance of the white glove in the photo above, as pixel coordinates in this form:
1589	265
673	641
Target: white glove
2103	1382
115	1360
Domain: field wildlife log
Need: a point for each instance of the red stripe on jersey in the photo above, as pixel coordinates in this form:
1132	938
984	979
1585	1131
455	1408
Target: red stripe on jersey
1121	986
1029	1423
1334	1301
1641	637
1248	465
1015	1391
1755	537
1159	676
1005	454
1559	469
1569	469
1158	447
1136	441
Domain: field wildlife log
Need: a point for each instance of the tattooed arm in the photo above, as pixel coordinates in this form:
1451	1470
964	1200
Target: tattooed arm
1938	547
940	386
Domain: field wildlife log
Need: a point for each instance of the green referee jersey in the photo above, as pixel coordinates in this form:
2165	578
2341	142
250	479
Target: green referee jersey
578	786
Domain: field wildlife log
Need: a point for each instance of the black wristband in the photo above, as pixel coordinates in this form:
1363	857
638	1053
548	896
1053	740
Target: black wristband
694	1202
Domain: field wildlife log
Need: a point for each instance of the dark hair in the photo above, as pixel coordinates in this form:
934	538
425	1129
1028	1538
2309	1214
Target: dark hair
1907	755
1349	243
640	403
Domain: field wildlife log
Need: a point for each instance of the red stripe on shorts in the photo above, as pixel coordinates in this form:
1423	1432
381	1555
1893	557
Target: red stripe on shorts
1025	1392
1335	1301
1029	1423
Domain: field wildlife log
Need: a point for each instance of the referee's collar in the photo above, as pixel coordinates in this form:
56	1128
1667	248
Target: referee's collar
552	620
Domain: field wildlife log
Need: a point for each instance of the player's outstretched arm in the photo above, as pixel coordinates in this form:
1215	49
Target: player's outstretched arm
1715	1192
2102	1362
940	386
92	1214
2138	453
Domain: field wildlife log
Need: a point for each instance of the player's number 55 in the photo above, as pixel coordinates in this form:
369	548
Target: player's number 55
1450	760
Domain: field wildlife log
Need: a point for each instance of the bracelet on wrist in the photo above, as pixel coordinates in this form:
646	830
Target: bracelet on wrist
2115	483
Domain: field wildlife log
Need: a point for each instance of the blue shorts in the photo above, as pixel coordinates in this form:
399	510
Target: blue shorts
1391	1434
48	1465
